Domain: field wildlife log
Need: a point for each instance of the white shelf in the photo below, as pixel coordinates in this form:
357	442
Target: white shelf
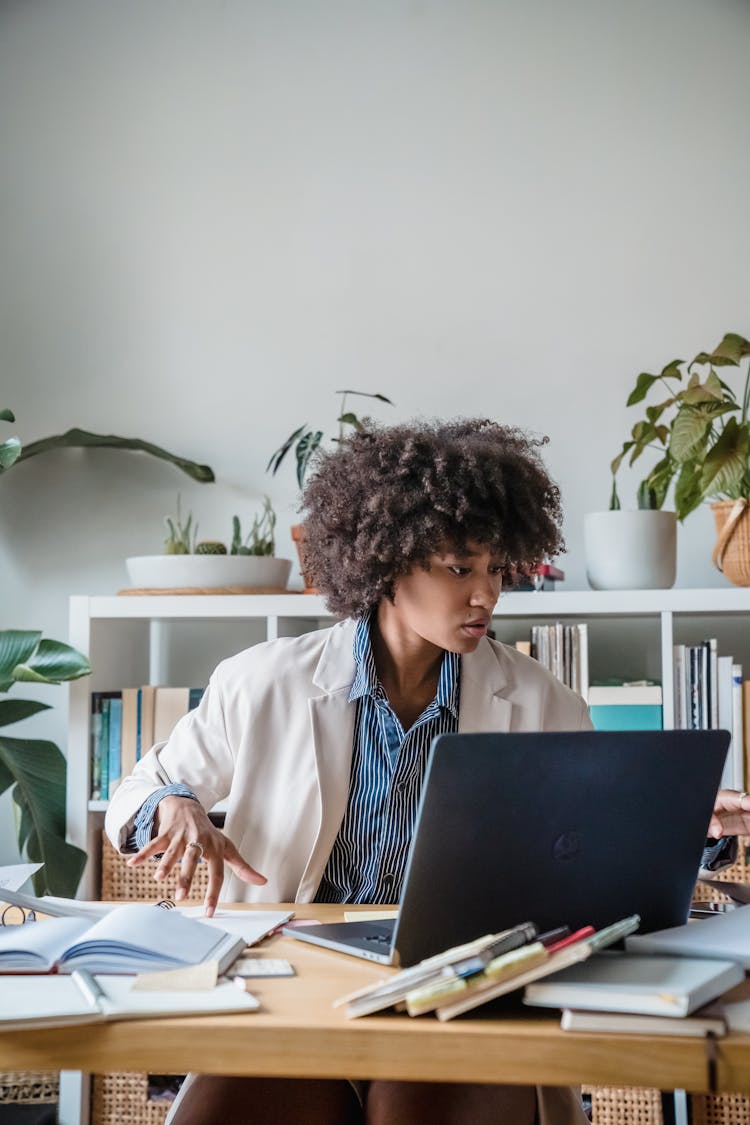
558	603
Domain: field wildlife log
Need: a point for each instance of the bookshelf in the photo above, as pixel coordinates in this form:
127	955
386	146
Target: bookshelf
178	640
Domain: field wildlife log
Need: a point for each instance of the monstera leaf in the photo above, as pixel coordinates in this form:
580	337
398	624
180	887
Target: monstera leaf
35	769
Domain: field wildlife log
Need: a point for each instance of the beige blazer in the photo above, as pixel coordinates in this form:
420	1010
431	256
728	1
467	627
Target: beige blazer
273	737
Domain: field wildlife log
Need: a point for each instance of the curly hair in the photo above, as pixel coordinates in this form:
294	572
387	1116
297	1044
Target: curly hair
389	497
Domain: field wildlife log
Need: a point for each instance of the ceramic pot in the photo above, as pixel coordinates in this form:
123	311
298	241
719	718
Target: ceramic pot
630	550
202	572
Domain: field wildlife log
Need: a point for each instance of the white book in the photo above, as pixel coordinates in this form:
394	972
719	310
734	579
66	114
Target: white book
725	937
56	1001
681	706
135	938
725	695
635	694
583	656
738	728
632	1023
624	982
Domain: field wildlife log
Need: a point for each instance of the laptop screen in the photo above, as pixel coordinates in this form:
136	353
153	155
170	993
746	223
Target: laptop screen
572	827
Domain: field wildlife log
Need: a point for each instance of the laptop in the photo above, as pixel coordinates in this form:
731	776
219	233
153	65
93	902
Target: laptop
573	828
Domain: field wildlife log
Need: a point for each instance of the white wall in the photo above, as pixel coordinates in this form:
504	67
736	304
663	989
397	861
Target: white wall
215	214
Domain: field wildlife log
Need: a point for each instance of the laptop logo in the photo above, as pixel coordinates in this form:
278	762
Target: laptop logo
567	846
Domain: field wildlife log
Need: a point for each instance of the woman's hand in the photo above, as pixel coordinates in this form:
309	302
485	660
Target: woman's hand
181	822
731	815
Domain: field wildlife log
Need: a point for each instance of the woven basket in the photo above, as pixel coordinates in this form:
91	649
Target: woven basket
725	1109
137	884
739	872
122	1099
625	1105
29	1087
732	551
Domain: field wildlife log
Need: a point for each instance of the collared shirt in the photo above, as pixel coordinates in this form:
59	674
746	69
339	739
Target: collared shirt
388	763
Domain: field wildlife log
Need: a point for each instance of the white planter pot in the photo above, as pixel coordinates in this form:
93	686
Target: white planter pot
157	572
630	550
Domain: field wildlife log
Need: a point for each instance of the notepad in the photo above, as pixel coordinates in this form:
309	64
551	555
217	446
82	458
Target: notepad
57	1001
136	938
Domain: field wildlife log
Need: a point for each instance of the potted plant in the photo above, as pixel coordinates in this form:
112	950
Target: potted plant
35	768
188	564
700	432
305	442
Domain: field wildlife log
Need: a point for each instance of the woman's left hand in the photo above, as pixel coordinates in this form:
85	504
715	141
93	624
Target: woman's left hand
731	815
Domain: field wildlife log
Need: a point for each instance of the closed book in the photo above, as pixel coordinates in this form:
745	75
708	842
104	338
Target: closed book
723	937
482	992
632	1023
129	731
625	982
146	696
58	1001
170	705
135	938
626	707
115	741
445	966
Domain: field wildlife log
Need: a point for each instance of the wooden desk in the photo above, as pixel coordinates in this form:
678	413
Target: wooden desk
299	1034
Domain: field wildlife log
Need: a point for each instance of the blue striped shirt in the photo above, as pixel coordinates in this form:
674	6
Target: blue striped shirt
388	763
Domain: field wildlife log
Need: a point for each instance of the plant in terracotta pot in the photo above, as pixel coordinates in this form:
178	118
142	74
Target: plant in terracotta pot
700	431
306	441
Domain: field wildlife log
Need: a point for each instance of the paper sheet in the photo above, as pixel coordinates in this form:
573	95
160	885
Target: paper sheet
193	978
369	915
14	875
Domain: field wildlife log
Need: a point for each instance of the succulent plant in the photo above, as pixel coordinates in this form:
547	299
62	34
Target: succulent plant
260	538
179	541
210	547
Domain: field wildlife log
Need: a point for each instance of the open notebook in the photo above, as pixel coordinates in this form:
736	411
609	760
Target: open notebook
134	938
56	1001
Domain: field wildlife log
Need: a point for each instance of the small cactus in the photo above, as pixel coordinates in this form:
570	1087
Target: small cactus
178	542
210	547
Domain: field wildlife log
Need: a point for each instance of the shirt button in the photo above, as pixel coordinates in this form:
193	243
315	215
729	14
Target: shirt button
388	878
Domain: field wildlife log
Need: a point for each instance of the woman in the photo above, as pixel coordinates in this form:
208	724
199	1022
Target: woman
319	743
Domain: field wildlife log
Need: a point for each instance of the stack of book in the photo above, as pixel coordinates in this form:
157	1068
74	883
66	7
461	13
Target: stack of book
626	706
126	724
709	694
470	975
564	649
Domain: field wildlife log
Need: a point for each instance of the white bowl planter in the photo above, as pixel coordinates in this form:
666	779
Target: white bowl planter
169	572
630	550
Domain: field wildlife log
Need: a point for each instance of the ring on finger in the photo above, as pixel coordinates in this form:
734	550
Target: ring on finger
195	844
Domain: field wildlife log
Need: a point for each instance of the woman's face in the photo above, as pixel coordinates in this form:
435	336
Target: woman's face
450	603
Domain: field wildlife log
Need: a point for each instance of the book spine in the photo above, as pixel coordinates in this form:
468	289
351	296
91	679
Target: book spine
738	741
680	695
583	653
96	746
104	749
115	743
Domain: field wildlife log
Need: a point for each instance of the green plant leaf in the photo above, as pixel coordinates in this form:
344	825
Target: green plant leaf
306	446
657	483
16	646
38	770
614	499
615	465
277	457
689	432
7	415
14	710
365	394
10	451
83	439
348	419
643	385
726	463
50	663
687	490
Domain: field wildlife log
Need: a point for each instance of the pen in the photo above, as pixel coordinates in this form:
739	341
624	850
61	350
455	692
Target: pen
90	987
